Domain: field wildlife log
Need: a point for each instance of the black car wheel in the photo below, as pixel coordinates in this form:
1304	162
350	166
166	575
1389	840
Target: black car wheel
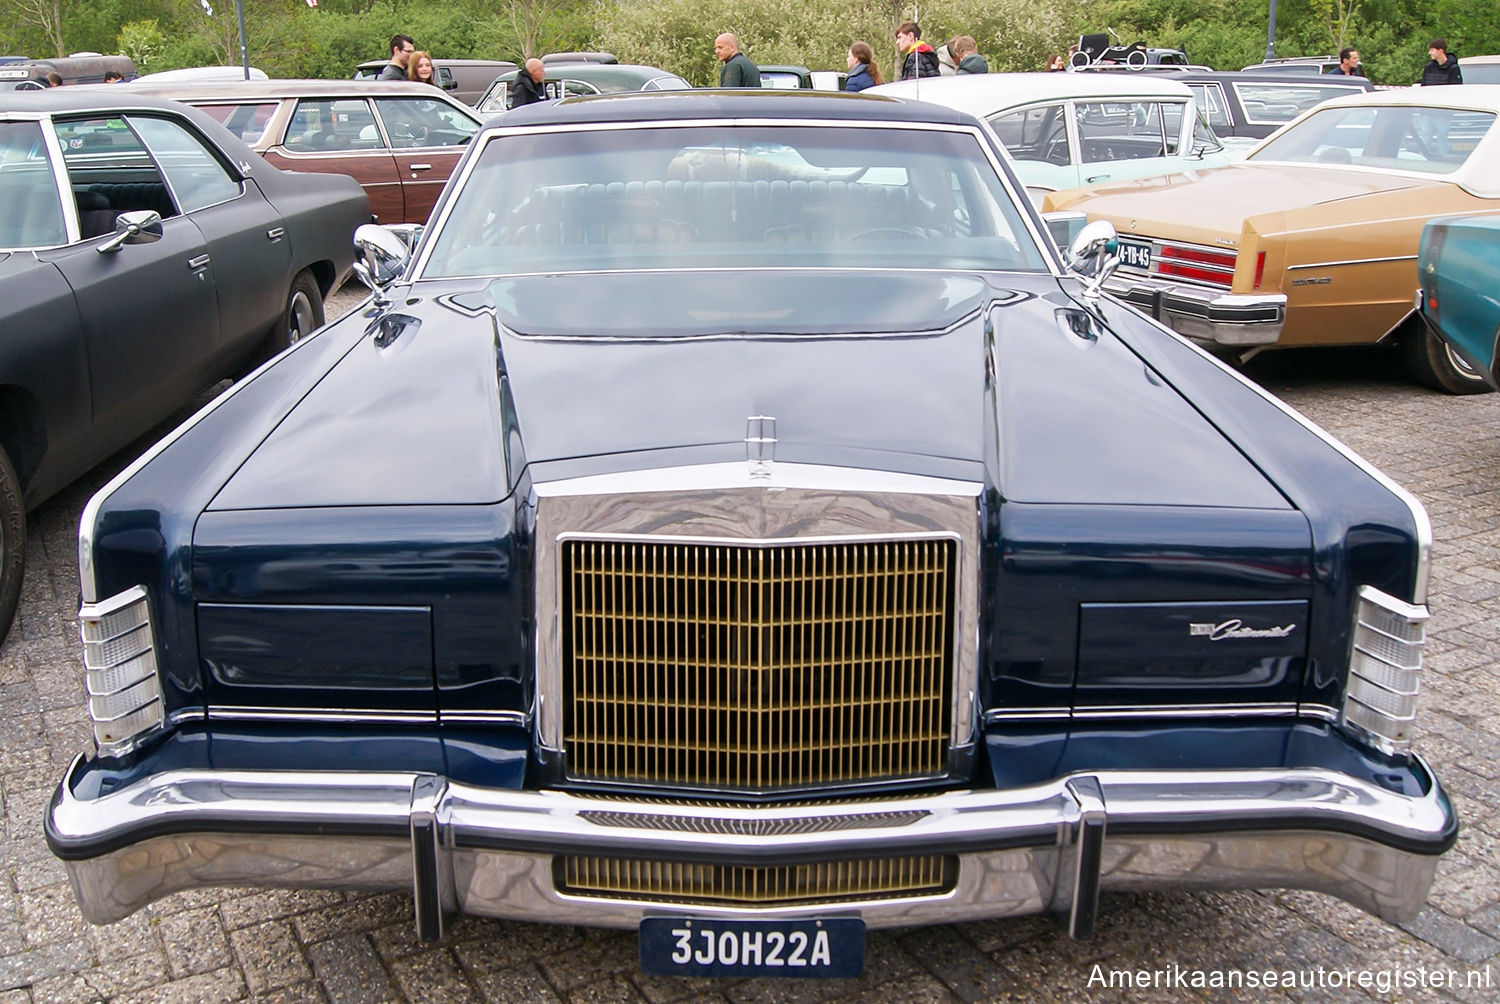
1432	362
12	542
303	313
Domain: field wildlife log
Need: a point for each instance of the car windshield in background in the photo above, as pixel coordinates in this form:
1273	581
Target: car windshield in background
33	216
1397	137
1275	103
748	196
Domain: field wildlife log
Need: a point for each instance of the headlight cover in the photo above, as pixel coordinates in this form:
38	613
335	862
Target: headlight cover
119	655
1385	668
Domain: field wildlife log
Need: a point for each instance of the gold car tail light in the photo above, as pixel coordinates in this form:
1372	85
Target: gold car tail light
1195	263
743	667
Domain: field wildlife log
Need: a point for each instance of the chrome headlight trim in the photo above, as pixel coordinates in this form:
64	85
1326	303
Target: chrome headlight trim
119	658
1385	670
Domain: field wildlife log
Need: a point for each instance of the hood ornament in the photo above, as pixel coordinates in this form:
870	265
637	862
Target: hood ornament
760	444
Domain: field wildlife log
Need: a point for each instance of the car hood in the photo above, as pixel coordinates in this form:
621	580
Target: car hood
451	396
1220	200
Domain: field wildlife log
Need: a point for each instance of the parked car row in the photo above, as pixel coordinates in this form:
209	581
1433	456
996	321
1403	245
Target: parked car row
1313	238
400	141
145	253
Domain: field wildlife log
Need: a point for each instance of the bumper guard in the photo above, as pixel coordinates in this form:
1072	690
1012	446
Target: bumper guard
1051	847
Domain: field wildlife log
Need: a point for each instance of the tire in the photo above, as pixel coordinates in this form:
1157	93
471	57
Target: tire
1432	362
302	315
12	542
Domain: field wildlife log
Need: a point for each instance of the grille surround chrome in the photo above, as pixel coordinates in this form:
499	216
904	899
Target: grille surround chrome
721	504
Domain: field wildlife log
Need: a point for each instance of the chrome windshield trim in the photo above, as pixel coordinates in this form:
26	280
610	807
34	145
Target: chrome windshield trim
723	503
1422	524
1020	202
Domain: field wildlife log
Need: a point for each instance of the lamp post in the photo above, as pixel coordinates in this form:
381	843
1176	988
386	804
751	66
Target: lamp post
239	10
1271	34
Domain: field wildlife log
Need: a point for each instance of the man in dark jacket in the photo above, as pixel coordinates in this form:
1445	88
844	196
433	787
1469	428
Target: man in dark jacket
1442	68
1349	65
737	70
966	51
401	49
527	87
919	59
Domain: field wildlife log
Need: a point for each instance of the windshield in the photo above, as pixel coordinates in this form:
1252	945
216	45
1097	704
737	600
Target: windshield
33	216
746	196
1426	140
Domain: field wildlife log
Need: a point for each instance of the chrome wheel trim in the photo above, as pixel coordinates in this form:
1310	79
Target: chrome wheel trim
1463	369
300	317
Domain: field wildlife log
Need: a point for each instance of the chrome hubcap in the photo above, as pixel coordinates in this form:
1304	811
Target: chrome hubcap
299	317
1457	362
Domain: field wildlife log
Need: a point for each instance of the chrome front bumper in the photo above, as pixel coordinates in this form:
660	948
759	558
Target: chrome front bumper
1051	847
1230	319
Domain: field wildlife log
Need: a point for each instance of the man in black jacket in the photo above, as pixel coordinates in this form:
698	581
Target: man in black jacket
737	70
1442	68
527	87
401	49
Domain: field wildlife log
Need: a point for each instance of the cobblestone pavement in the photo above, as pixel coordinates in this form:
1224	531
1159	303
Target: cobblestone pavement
317	946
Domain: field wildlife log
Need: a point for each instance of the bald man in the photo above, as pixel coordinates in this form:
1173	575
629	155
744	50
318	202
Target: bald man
737	70
527	87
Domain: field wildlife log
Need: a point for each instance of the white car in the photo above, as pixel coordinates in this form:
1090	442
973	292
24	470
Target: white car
1064	130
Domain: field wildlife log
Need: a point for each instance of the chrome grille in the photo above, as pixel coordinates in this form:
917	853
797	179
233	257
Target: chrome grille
756	668
782	885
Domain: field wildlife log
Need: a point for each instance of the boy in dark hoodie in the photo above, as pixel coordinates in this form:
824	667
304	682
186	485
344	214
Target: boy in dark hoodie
920	59
966	51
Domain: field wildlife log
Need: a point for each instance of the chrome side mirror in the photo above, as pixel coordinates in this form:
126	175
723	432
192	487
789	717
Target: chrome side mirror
1093	256
139	226
383	257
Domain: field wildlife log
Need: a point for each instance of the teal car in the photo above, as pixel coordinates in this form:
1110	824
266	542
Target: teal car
1458	265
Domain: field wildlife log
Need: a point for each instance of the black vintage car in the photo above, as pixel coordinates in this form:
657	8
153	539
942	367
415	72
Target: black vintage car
1256	104
144	254
732	522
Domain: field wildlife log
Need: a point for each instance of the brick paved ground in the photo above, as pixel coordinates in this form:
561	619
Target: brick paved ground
282	946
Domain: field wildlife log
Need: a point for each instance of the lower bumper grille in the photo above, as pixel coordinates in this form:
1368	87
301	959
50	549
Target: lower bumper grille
757	668
731	885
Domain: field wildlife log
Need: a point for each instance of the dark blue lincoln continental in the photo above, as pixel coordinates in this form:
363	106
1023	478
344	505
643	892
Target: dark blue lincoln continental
732	520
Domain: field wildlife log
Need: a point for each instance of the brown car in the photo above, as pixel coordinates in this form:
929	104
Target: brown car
400	141
1312	239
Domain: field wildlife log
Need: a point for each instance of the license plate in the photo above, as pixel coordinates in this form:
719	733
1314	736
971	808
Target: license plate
1135	255
697	946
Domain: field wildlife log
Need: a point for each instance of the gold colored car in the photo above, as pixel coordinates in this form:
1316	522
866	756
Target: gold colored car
1312	239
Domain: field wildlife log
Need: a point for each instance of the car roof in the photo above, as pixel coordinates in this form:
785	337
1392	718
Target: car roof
595	72
275	90
1469	97
1485	60
747	103
1284	79
66	100
983	93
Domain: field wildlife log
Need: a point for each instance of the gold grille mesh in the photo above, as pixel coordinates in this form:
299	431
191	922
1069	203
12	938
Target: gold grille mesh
781	885
756	668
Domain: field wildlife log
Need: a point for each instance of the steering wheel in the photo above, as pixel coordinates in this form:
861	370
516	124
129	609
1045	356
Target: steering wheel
887	233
